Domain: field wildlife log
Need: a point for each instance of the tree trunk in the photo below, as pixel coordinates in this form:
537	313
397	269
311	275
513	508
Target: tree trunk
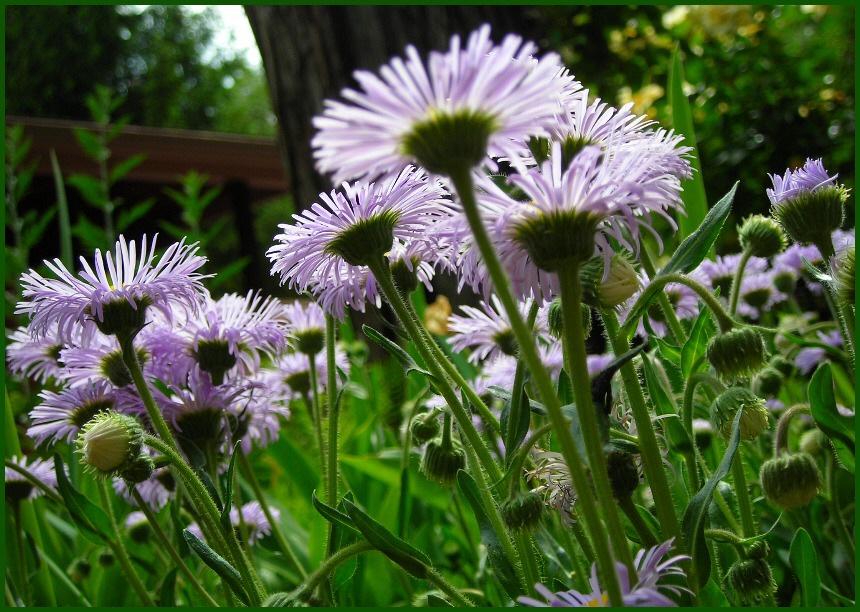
310	52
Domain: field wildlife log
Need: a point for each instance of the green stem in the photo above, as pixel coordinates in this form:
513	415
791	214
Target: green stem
171	550
580	570
225	538
576	364
446	587
743	496
129	357
781	438
331	401
836	511
669	313
119	551
318	418
21	557
647	538
687	420
276	531
64	578
652	459
321	573
735	291
382	274
464	187
721	535
518	460
48	491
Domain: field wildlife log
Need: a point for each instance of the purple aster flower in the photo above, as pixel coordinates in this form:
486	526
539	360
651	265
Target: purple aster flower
330	244
249	517
759	294
60	416
170	357
289	377
651	570
811	177
256	417
808	358
155	491
487	330
18	487
720	273
842	239
501	88
36	358
100	360
305	326
788	267
169	285
684	302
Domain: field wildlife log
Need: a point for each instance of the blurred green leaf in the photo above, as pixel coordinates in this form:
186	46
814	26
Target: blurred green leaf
90	188
396	351
126	217
228	488
712	596
218	564
671	352
167	594
434	601
696	345
802	557
92	521
32	233
333	516
839	428
679	441
120	170
63	210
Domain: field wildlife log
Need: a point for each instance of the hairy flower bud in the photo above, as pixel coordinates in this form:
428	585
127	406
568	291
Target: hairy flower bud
790	481
424	427
751	580
810	217
523	511
738	353
110	442
621	284
761	236
442	461
755	414
555	319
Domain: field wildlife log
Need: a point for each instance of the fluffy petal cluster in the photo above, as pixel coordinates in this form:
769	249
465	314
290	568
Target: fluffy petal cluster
303	254
811	177
249	519
519	94
42	470
169	284
649	590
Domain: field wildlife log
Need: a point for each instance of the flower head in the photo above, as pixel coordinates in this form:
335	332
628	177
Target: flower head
116	294
649	590
34	357
60	416
810	178
463	105
18	487
487	330
330	245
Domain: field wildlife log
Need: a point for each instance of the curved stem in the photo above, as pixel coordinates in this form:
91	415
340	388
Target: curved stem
171	550
687	420
671	317
464	187
327	566
652	459
382	274
48	491
518	460
576	365
276	531
119	551
781	438
735	291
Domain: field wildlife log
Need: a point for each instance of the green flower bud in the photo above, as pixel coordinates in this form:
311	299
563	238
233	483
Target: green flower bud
738	353
110	443
811	217
442	461
555	320
621	284
138	469
106	558
405	279
758	550
814	441
761	236
79	570
790	481
751	580
523	511
755	414
555	239
424	427
703	432
623	474
768	382
310	342
365	241
783	366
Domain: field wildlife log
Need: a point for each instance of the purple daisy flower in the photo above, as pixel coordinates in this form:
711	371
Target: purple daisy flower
684	302
759	294
808	358
18	488
650	569
515	94
168	285
249	517
60	416
811	177
289	377
170	357
36	358
329	245
788	267
156	491
720	273
487	330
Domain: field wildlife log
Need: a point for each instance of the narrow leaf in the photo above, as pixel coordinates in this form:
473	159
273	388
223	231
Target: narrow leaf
803	561
405	555
671	352
124	167
696	344
712	596
679	440
693	523
63	214
514	431
167	597
228	493
92	520
823	405
404	504
333	515
395	350
434	601
695	200
499	561
697	245
218	564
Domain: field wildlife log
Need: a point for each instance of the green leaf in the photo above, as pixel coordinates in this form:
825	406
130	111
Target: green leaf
712	596
167	597
693	523
696	344
63	210
228	492
434	601
404	503
403	554
839	428
90	188
332	515
695	200
92	520
218	564
124	167
32	233
671	352
127	217
295	466
696	246
90	143
814	272
395	350
499	561
801	556
513	433
505	395
679	440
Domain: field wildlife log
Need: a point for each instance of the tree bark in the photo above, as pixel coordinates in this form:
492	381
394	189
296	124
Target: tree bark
310	52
